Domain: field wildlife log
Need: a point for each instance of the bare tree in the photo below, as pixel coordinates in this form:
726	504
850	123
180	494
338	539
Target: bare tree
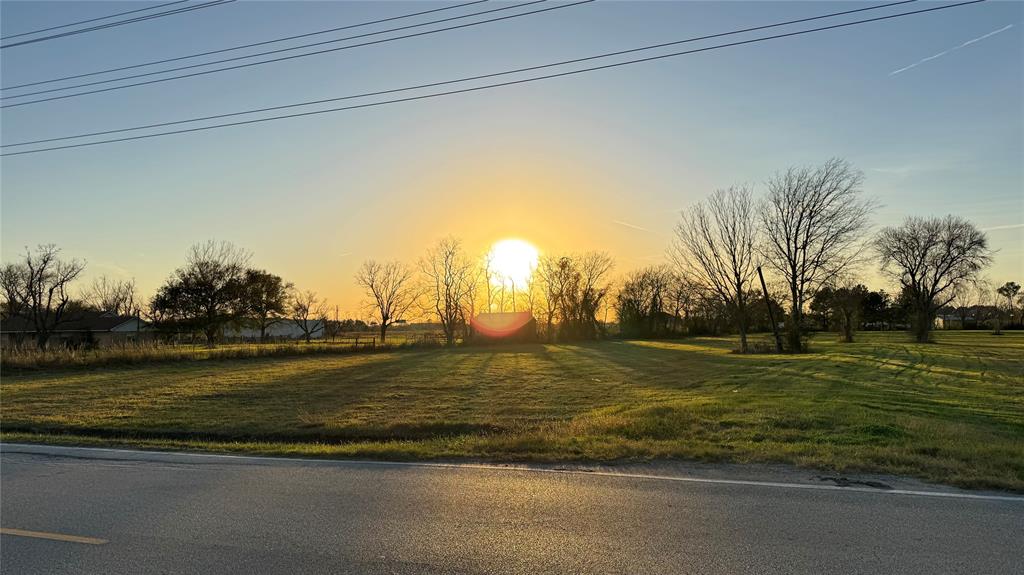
36	289
969	298
679	299
985	302
391	290
114	296
641	302
930	258
550	280
595	268
609	304
487	265
528	291
584	286
814	221
477	284
571	293
963	298
715	243
447	272
309	313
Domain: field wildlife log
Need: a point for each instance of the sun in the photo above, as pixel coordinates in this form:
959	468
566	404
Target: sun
512	262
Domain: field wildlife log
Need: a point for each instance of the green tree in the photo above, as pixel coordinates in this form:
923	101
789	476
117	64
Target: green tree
640	304
875	306
847	304
821	306
207	293
843	306
266	299
1009	290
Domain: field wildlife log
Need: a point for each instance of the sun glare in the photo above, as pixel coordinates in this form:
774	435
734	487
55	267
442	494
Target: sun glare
512	261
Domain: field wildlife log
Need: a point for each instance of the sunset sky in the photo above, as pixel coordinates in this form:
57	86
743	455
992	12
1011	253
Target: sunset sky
603	161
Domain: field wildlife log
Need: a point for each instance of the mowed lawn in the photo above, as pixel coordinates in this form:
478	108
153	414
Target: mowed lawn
952	411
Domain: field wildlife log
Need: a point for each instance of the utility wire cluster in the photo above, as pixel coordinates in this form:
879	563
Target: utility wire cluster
366	99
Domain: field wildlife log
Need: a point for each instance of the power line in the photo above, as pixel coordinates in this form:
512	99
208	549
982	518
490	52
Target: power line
118	23
30	32
465	79
497	85
483	76
222	50
292	57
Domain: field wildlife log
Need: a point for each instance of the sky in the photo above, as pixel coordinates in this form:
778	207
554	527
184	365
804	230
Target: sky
930	107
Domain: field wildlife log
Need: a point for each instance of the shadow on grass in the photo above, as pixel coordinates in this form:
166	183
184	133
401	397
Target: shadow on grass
679	390
910	380
398	432
535	349
274	410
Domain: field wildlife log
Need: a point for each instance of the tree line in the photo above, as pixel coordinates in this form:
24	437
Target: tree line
810	231
565	293
214	289
737	263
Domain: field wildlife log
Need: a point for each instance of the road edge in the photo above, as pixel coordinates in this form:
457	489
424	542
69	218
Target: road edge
185	457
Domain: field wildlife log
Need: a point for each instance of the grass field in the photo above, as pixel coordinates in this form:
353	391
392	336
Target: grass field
28	357
952	411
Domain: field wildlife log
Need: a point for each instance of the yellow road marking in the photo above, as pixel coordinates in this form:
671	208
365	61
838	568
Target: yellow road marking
53	536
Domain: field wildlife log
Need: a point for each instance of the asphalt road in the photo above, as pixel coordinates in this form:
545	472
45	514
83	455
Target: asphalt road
173	513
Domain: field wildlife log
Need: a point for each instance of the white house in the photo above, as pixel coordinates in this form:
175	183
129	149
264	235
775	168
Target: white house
280	329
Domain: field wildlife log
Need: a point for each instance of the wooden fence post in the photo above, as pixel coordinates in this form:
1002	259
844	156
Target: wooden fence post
771	316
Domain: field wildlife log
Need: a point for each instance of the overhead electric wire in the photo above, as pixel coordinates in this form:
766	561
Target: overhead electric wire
293	56
107	17
500	84
253	45
464	79
118	23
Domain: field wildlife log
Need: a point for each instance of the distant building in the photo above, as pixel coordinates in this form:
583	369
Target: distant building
77	329
281	329
973	317
952	321
517	326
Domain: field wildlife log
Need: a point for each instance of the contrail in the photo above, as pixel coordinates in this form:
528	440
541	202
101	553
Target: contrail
954	49
629	225
1006	227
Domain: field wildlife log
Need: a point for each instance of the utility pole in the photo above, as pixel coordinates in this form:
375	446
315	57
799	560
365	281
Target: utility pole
771	315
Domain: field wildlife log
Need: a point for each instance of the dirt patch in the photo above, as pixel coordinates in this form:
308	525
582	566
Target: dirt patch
846	482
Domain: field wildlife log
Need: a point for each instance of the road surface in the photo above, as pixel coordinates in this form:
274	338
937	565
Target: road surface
67	510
